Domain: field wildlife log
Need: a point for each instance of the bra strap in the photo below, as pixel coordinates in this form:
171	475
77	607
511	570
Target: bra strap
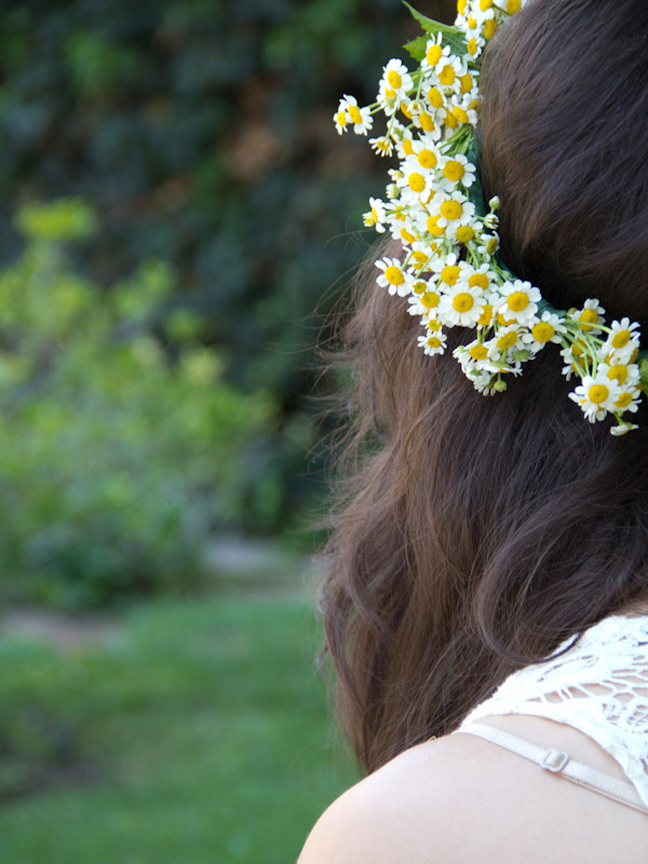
558	762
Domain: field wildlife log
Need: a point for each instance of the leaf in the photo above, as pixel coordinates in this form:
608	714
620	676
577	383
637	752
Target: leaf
416	48
643	368
452	36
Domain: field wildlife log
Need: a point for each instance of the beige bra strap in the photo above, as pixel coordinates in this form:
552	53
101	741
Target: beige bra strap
558	762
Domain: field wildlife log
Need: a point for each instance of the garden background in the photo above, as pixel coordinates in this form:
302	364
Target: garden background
177	219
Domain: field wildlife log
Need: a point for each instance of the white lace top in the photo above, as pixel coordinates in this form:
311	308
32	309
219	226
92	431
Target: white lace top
599	686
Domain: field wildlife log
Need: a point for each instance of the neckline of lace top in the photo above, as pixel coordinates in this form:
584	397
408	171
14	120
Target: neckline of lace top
598	684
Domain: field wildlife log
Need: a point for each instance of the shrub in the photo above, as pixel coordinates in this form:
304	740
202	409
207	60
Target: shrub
121	447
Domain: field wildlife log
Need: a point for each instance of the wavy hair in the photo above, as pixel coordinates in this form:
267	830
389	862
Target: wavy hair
471	535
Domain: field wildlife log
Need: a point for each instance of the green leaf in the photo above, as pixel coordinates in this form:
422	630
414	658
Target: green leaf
643	368
416	48
452	36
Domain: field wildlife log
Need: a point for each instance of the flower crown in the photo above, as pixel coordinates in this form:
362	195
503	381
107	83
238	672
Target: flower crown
450	271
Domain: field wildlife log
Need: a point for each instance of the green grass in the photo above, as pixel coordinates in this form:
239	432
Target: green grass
203	726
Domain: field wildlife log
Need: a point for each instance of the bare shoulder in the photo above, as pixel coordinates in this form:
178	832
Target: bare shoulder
461	799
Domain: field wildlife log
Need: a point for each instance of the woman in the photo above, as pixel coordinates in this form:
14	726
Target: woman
479	536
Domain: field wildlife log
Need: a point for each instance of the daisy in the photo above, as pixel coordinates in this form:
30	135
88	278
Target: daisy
628	400
449	72
452	209
375	217
461	306
483	11
394	85
489	244
433	343
548	329
519	302
481	277
360	117
383	146
415	184
622	341
434	53
425	154
393	277
425	303
506	340
596	396
589	316
457	170
624	375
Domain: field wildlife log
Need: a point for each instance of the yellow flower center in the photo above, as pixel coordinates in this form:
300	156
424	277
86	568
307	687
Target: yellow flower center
450	274
433	226
461	6
342	118
624	400
485	4
489	28
460	114
416	182
505	322
486	317
447	75
453	171
513	6
383	144
587	318
405	235
463	302
466	83
621	339
434	54
354	114
472	22
435	97
427	158
451	210
618	373
430	299
465	234
374	214
491	246
506	341
479	280
420	259
518	301
434	342
434	325
407	111
543	331
427	123
478	352
394	275
472	47
598	393
394	79
408	149
419	287
450	120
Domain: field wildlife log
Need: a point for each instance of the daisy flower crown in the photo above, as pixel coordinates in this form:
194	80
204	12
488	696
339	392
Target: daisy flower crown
449	271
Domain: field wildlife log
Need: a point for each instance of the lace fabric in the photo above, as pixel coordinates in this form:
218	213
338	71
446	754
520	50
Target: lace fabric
599	686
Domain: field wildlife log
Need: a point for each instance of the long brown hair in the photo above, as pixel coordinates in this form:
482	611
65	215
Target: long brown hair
473	534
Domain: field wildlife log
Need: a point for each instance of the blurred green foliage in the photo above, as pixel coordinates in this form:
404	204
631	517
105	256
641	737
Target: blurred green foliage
201	131
121	447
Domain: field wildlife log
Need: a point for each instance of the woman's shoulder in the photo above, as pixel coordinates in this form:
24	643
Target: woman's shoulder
460	799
